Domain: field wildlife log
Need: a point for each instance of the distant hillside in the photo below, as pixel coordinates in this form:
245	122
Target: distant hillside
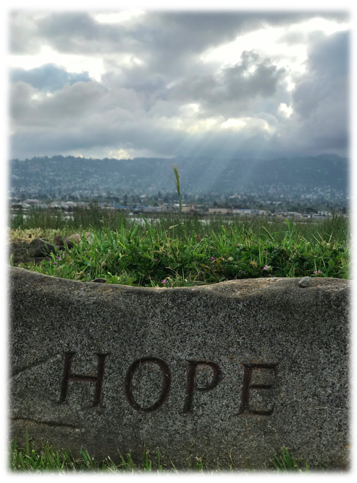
198	175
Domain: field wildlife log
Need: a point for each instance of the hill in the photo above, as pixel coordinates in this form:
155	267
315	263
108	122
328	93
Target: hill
198	175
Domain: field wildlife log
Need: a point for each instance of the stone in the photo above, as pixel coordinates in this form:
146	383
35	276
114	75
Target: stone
21	253
76	237
40	248
89	236
68	240
58	240
304	282
228	372
19	250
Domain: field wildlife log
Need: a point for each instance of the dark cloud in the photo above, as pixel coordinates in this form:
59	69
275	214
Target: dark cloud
166	34
329	56
75	105
68	32
48	77
321	98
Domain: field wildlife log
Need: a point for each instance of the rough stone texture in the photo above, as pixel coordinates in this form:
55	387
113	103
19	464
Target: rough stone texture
19	250
20	253
38	249
298	340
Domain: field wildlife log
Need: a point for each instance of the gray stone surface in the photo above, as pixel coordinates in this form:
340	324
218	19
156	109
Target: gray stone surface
20	254
19	251
227	372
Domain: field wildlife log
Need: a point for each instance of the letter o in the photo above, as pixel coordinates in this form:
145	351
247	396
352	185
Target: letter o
166	382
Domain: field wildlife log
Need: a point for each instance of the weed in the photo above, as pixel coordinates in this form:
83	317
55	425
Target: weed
287	463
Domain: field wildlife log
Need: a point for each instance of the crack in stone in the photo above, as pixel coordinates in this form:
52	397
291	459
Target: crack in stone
48	423
35	364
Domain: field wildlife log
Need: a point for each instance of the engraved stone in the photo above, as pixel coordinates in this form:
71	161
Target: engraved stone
233	371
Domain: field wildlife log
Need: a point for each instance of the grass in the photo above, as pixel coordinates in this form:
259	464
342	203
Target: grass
51	459
95	218
168	253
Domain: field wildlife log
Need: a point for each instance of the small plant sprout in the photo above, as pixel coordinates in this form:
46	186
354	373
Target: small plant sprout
177	182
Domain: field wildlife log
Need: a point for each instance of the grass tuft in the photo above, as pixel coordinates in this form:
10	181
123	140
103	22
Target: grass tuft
50	459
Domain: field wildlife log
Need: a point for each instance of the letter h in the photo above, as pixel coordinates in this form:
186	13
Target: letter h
68	376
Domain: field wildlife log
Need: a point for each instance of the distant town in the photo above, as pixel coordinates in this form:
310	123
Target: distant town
276	208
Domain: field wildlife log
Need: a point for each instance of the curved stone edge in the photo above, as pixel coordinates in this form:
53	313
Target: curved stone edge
243	287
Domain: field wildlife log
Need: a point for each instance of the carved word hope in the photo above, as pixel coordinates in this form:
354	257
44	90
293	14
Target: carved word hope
166	382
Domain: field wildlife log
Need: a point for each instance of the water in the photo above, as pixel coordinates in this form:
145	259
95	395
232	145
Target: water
140	221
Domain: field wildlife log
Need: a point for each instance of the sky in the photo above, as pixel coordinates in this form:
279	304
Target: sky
147	83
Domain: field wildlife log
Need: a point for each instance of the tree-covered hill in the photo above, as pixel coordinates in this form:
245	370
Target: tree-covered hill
198	175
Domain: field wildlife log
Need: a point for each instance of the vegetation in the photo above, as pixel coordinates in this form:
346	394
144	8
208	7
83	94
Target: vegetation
166	252
51	459
178	188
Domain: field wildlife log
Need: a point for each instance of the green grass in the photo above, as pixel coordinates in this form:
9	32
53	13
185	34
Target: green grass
51	459
168	253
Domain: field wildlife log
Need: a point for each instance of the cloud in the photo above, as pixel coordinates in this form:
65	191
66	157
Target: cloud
330	55
74	105
67	32
48	77
157	97
321	98
234	89
167	34
24	38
